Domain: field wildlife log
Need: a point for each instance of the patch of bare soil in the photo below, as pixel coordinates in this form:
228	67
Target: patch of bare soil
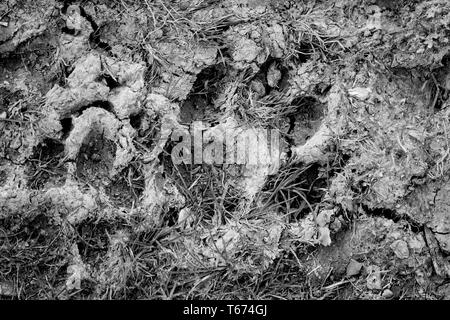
346	104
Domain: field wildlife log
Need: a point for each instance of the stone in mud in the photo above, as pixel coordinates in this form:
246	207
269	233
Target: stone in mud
374	278
360	93
273	76
354	268
400	249
387	294
186	218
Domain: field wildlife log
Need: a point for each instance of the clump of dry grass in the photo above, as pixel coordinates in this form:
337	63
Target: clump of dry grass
289	189
209	190
307	33
156	277
297	189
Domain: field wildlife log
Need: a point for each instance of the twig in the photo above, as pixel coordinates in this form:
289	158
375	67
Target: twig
16	121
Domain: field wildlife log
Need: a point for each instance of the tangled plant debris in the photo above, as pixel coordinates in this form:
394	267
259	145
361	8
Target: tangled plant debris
351	204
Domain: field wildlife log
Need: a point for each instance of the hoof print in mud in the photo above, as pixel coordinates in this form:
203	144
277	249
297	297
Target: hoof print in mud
95	159
93	239
199	104
304	121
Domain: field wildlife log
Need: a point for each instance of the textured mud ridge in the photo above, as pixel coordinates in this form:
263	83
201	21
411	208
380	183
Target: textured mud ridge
92	204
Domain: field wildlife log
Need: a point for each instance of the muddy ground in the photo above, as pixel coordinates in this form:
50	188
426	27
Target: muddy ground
92	205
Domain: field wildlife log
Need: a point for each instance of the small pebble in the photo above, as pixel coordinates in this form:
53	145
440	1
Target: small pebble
387	294
360	93
6	289
374	278
354	268
400	249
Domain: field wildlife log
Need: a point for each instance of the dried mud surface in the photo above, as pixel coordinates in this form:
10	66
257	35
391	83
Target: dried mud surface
93	207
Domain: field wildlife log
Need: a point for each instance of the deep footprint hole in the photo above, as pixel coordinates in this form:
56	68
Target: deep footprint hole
148	130
207	188
105	105
95	158
199	104
302	123
294	190
67	126
297	189
93	238
264	71
111	82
